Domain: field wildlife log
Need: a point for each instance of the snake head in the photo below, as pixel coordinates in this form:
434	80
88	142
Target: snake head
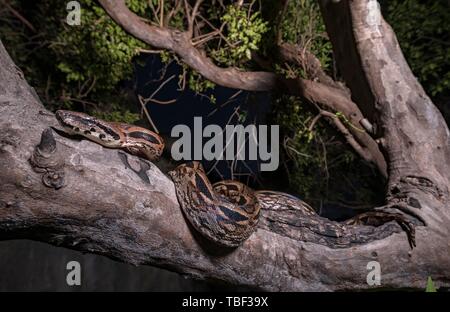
74	121
88	126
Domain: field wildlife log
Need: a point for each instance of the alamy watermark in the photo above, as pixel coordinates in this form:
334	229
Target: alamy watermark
73	278
374	275
235	142
73	18
241	143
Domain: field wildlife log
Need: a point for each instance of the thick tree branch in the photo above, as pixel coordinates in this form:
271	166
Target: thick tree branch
412	133
302	57
191	18
118	205
335	97
180	43
336	100
283	5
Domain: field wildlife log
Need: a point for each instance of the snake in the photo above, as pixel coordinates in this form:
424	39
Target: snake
226	212
135	140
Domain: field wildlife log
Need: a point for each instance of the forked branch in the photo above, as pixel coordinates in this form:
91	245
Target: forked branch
180	43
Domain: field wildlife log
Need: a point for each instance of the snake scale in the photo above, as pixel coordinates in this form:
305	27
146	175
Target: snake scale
226	212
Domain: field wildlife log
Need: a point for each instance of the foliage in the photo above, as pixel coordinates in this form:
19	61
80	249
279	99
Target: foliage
99	50
242	29
318	159
423	31
302	24
315	156
198	84
430	285
244	33
75	67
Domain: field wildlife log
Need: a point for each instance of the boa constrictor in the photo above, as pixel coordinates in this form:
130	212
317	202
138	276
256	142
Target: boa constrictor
226	212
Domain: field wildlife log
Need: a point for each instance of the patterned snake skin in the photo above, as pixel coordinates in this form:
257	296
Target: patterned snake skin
226	213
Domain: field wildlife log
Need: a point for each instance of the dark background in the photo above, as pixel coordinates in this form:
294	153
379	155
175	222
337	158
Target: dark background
33	266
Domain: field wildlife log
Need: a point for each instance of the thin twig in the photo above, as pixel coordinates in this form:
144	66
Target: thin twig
205	37
19	16
314	121
147	114
172	13
80	101
231	99
220	30
348	136
163	102
161	18
149	51
285	5
160	87
227	143
191	19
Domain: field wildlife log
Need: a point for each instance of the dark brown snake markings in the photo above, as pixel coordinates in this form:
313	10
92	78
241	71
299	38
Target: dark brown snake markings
227	212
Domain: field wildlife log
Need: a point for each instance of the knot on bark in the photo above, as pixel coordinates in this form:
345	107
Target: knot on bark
400	191
54	179
46	160
180	37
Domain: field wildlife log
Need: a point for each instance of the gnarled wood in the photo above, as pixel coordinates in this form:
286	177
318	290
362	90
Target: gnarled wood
180	43
117	205
123	207
412	133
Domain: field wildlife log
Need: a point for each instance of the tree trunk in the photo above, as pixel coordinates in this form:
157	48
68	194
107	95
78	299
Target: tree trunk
82	196
411	131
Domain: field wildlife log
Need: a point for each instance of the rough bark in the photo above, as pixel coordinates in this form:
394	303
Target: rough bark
300	56
412	132
76	194
180	43
337	100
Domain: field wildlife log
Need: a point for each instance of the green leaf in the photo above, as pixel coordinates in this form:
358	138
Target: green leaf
430	285
248	54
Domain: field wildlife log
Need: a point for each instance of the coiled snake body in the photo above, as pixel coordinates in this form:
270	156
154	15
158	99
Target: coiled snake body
227	212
